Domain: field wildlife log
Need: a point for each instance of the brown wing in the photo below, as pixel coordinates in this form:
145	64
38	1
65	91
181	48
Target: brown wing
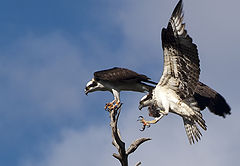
120	74
207	97
181	62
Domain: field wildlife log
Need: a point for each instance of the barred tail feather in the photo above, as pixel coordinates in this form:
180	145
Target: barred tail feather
192	131
197	116
199	119
190	122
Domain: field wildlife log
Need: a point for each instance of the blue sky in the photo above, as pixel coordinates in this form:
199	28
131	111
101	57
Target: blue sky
49	51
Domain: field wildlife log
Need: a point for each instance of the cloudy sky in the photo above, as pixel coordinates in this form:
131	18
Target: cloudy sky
49	50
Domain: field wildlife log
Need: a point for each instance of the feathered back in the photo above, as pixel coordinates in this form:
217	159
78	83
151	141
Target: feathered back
121	74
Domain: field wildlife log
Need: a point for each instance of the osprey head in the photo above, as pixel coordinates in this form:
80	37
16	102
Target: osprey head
145	101
92	86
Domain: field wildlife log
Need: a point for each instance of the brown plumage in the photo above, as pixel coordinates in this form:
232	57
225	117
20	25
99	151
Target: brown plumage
118	79
207	97
120	74
179	90
181	61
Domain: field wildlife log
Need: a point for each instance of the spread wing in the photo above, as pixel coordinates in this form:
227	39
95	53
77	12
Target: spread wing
207	97
181	63
120	74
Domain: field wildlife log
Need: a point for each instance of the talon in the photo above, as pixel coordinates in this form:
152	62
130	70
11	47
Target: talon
144	122
140	118
108	106
117	105
112	105
143	128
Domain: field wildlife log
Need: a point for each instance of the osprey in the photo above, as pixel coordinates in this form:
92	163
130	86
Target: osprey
179	90
116	80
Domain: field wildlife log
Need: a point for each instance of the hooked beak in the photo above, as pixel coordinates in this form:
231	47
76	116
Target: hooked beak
140	106
86	92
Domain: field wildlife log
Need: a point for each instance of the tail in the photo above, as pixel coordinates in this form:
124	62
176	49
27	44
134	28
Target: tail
192	131
207	97
199	119
196	114
190	125
147	87
151	82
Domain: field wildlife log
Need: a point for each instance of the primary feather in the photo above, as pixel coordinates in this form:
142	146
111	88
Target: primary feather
179	90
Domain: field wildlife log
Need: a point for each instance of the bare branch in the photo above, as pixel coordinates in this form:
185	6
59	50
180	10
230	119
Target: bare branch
117	156
135	144
115	144
117	140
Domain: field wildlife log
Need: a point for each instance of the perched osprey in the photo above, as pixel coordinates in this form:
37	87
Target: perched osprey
179	90
116	80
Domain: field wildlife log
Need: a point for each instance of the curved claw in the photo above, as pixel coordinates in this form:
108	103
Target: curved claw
112	105
140	118
108	106
144	122
143	128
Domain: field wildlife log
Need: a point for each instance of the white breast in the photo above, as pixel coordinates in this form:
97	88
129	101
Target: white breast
167	100
160	95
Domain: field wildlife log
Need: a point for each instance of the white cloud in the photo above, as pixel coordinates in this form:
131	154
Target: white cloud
212	25
91	147
169	144
46	71
141	22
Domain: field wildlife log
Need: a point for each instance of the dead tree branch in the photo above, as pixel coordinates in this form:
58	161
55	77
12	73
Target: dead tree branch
122	155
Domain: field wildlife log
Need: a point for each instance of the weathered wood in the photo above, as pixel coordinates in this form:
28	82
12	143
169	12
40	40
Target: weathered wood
117	140
136	144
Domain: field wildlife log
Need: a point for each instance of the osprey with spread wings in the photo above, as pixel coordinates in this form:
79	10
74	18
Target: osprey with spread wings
179	90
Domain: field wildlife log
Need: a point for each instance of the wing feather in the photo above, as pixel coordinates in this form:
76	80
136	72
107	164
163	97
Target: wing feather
120	74
207	97
181	62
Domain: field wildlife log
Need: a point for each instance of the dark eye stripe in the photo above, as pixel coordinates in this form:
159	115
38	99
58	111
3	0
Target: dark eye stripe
149	96
93	84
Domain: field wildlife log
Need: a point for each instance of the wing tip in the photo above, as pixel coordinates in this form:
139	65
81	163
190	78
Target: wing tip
178	9
176	21
219	106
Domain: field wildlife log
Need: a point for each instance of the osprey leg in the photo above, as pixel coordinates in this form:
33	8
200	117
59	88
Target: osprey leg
115	103
147	123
